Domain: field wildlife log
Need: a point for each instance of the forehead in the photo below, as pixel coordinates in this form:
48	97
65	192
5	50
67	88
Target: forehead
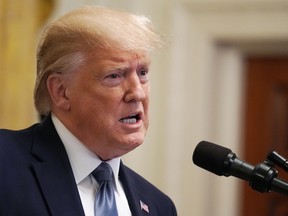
112	57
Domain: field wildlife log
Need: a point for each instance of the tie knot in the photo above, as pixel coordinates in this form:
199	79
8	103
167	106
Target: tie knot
103	172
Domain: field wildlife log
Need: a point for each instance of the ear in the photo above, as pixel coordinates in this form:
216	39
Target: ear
58	92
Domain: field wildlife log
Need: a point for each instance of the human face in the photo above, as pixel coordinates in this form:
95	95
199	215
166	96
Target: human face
109	99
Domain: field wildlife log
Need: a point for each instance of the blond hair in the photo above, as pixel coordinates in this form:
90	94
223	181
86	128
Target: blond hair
65	41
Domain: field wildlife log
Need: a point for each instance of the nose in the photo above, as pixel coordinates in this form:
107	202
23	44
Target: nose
135	91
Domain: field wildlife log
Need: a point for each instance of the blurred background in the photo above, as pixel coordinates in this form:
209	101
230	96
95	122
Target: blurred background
222	78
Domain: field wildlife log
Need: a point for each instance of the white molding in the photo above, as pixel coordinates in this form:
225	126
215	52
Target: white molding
210	6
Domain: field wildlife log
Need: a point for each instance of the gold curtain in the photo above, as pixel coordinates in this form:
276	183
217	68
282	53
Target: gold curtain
20	22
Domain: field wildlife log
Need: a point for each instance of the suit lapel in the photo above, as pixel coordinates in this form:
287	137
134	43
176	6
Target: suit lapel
134	196
53	172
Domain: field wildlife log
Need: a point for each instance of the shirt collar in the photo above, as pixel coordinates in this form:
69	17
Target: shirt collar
82	160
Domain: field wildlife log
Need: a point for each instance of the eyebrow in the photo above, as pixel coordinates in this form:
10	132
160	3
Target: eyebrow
107	67
115	64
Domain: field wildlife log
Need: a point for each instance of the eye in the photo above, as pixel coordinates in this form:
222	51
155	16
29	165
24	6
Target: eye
143	74
113	76
113	79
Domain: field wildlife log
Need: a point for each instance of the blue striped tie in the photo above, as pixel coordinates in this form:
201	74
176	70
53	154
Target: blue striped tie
105	204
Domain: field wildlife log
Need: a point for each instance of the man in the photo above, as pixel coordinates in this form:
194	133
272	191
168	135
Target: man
93	87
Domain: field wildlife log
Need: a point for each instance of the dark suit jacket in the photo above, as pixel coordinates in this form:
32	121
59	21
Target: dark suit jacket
36	178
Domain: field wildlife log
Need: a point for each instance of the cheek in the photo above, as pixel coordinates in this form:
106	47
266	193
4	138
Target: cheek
91	95
101	106
147	100
146	89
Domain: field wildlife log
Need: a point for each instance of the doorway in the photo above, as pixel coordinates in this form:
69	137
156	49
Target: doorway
265	128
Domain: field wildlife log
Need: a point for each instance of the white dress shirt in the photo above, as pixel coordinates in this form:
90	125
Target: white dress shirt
83	162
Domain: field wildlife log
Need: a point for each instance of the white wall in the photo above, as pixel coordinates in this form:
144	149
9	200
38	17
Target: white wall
197	91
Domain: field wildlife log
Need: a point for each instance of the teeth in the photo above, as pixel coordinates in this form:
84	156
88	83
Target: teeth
129	121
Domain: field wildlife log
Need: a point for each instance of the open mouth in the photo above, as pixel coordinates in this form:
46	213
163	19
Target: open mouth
132	119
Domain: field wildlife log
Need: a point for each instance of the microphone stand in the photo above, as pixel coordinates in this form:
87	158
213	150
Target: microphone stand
264	175
275	158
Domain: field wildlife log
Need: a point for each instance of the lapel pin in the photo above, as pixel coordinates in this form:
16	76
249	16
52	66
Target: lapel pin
144	207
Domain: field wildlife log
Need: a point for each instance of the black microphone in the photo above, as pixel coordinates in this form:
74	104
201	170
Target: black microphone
222	161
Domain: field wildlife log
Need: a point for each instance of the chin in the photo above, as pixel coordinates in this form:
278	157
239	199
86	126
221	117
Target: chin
133	143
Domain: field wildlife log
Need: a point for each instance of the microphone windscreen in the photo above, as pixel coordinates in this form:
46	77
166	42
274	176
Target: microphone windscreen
211	157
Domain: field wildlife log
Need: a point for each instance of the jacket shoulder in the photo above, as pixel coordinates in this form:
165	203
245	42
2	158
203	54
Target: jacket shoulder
15	135
13	141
